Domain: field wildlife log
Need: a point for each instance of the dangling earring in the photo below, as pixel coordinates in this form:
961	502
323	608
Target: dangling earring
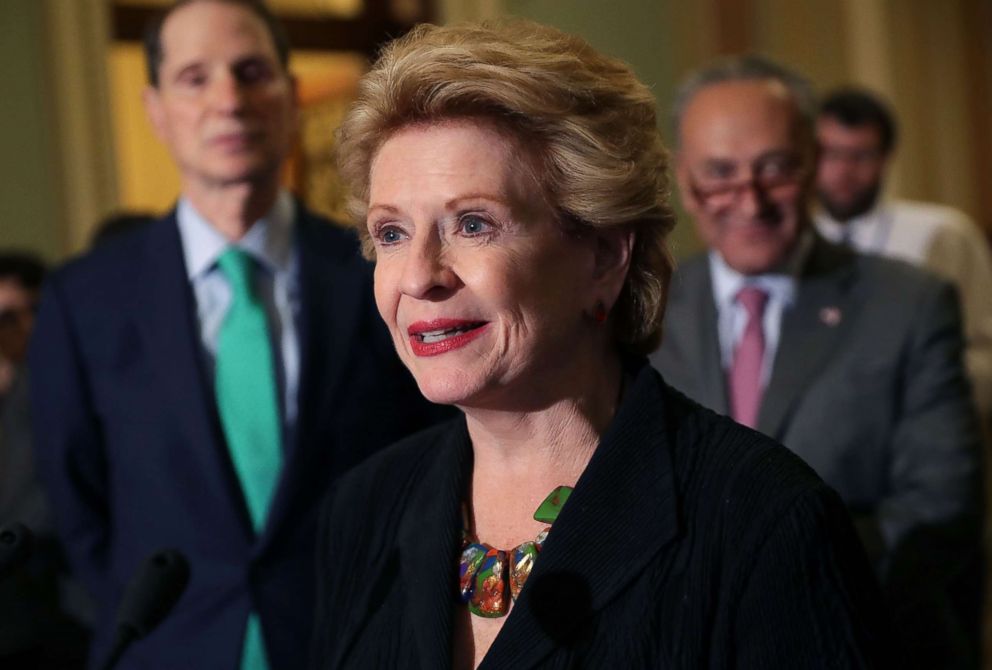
599	313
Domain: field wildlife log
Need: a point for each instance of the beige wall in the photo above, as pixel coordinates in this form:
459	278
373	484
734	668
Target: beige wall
64	163
29	217
933	60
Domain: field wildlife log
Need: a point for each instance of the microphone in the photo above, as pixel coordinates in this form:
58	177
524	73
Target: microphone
15	547
150	596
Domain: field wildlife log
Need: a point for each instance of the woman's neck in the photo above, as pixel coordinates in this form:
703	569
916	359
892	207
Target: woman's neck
520	456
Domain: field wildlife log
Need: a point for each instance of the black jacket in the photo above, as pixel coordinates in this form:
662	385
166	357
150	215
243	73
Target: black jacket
689	542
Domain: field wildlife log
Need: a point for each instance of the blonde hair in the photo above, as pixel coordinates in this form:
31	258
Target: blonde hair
588	120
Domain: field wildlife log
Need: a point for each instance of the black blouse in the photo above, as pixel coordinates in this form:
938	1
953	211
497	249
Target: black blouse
688	542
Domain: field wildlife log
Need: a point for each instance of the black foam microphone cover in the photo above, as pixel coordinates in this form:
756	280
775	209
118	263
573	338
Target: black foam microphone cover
15	547
153	592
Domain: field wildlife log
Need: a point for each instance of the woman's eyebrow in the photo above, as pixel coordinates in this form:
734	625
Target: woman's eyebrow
454	202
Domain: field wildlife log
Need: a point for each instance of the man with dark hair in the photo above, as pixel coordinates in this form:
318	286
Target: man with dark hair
35	630
21	500
153	35
200	381
853	362
21	275
856	132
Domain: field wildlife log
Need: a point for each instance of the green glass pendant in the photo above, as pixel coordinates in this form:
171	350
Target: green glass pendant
548	510
489	578
522	560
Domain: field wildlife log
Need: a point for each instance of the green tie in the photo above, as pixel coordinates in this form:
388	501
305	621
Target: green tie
247	402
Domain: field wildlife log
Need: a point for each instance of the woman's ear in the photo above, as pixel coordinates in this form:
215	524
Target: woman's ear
613	250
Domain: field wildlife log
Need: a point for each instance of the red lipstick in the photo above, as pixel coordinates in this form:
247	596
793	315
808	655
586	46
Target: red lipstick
431	338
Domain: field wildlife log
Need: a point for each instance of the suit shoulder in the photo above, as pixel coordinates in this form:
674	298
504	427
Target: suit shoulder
383	477
107	267
897	279
746	471
329	238
688	276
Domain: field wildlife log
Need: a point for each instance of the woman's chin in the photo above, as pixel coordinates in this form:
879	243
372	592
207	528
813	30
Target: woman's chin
442	390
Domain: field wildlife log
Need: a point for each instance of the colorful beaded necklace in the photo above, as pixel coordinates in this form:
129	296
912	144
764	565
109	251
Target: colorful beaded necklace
486	577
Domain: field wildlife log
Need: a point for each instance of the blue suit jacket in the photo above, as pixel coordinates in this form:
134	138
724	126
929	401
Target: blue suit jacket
131	449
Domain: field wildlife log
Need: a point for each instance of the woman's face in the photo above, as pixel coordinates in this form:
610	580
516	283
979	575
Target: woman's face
482	291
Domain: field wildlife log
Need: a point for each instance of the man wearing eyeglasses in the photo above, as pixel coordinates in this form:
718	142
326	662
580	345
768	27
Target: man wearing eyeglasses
853	362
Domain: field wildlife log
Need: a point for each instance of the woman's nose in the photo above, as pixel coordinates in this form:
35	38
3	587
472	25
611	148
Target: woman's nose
427	270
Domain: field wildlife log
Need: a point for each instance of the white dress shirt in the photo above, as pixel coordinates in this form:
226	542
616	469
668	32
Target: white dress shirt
270	242
732	317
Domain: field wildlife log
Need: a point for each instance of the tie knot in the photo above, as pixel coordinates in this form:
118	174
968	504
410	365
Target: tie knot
753	299
237	267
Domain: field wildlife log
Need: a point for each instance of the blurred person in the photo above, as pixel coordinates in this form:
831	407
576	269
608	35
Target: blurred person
582	513
21	275
851	361
857	134
198	383
36	629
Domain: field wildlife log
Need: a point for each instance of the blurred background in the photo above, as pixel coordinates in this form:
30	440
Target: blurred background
75	146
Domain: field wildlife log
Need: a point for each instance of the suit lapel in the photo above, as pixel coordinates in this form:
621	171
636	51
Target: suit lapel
170	332
333	294
810	332
707	341
626	491
332	297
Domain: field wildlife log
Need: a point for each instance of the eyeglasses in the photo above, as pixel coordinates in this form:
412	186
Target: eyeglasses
774	177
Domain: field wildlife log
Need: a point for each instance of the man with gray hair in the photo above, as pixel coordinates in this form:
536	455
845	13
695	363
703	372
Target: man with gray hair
853	362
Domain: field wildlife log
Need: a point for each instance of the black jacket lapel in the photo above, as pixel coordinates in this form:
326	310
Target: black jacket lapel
626	491
334	291
333	297
169	329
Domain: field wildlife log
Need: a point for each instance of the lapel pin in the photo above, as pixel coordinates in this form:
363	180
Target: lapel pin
830	316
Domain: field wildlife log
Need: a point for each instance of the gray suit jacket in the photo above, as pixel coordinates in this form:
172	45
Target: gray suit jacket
868	386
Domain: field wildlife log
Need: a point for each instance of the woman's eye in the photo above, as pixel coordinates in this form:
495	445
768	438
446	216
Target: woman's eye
473	225
388	235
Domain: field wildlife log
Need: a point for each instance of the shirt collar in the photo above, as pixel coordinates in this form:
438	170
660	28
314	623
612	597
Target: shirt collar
727	282
837	231
269	240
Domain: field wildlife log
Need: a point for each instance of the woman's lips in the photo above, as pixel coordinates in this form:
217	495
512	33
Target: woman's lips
430	338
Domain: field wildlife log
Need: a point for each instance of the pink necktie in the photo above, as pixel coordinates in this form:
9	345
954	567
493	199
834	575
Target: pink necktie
745	370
